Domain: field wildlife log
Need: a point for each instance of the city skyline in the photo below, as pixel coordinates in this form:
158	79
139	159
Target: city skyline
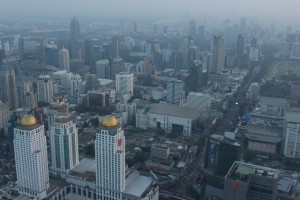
275	11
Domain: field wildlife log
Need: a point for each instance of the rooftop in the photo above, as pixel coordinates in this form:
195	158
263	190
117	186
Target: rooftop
175	111
242	171
293	117
137	184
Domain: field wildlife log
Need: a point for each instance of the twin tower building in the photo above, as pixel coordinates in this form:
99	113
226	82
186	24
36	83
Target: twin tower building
32	159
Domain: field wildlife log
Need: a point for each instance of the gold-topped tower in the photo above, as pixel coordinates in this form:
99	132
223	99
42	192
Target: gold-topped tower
28	120
109	121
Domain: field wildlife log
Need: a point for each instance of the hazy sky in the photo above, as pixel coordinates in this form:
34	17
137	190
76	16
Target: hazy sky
287	10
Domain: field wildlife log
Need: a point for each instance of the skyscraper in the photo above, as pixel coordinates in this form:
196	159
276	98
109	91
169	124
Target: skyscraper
103	69
115	47
76	85
64	145
196	79
63	59
8	91
31	158
76	52
192	28
124	85
219	46
45	89
27	96
110	159
240	51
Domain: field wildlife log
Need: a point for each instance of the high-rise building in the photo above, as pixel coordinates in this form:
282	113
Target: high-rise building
201	32
274	88
76	85
221	153
192	28
4	115
175	92
57	106
124	85
110	159
8	91
103	69
165	29
89	53
64	145
291	132
31	158
27	96
196	78
251	182
240	51
253	42
63	59
51	54
76	52
115	47
219	46
45	88
98	99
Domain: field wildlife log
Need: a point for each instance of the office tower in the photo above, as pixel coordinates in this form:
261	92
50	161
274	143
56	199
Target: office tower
201	32
243	25
76	85
291	132
90	46
219	46
117	67
63	59
8	91
51	54
110	159
98	99
4	115
27	96
191	56
76	52
192	28
221	153
124	85
250	182
175	92
253	42
115	47
56	107
196	79
64	145
155	29
31	158
240	51
45	88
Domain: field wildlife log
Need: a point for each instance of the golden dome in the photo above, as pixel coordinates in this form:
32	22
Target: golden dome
109	121
28	120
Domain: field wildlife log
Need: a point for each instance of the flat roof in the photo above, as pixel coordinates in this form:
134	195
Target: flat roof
137	184
242	171
293	117
85	165
175	111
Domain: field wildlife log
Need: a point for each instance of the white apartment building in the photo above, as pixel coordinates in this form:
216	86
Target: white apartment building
110	159
63	59
31	158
